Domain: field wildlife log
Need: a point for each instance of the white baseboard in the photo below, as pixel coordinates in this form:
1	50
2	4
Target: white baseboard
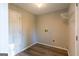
24	48
60	48
53	46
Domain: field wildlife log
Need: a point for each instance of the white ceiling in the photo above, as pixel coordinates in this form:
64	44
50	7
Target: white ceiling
45	8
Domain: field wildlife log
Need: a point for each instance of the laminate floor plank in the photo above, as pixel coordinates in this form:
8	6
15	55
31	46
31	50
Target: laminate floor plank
42	50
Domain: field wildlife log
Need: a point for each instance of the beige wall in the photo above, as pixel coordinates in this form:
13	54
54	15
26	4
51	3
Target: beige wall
72	30
57	30
21	28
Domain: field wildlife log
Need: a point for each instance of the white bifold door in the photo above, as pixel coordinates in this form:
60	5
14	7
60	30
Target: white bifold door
15	31
77	22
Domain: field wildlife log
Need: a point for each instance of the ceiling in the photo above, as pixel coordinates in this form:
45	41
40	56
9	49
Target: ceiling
45	8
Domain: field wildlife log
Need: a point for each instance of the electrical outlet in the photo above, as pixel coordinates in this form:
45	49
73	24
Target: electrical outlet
77	38
53	40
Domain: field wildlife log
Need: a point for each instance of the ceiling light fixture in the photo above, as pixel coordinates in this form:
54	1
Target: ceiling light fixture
38	4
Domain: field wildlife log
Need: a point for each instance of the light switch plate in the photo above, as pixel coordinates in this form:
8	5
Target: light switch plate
46	30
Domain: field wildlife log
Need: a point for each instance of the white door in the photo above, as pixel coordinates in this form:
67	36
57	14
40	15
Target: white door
15	30
77	39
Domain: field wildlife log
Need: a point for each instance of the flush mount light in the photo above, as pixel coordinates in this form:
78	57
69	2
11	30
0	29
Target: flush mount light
39	4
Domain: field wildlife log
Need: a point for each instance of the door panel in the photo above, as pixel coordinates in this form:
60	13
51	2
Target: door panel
15	29
77	41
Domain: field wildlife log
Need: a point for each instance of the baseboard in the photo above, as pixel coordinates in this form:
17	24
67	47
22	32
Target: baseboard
53	46
24	48
60	48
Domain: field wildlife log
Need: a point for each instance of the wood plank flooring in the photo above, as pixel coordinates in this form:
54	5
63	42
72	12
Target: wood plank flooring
43	50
